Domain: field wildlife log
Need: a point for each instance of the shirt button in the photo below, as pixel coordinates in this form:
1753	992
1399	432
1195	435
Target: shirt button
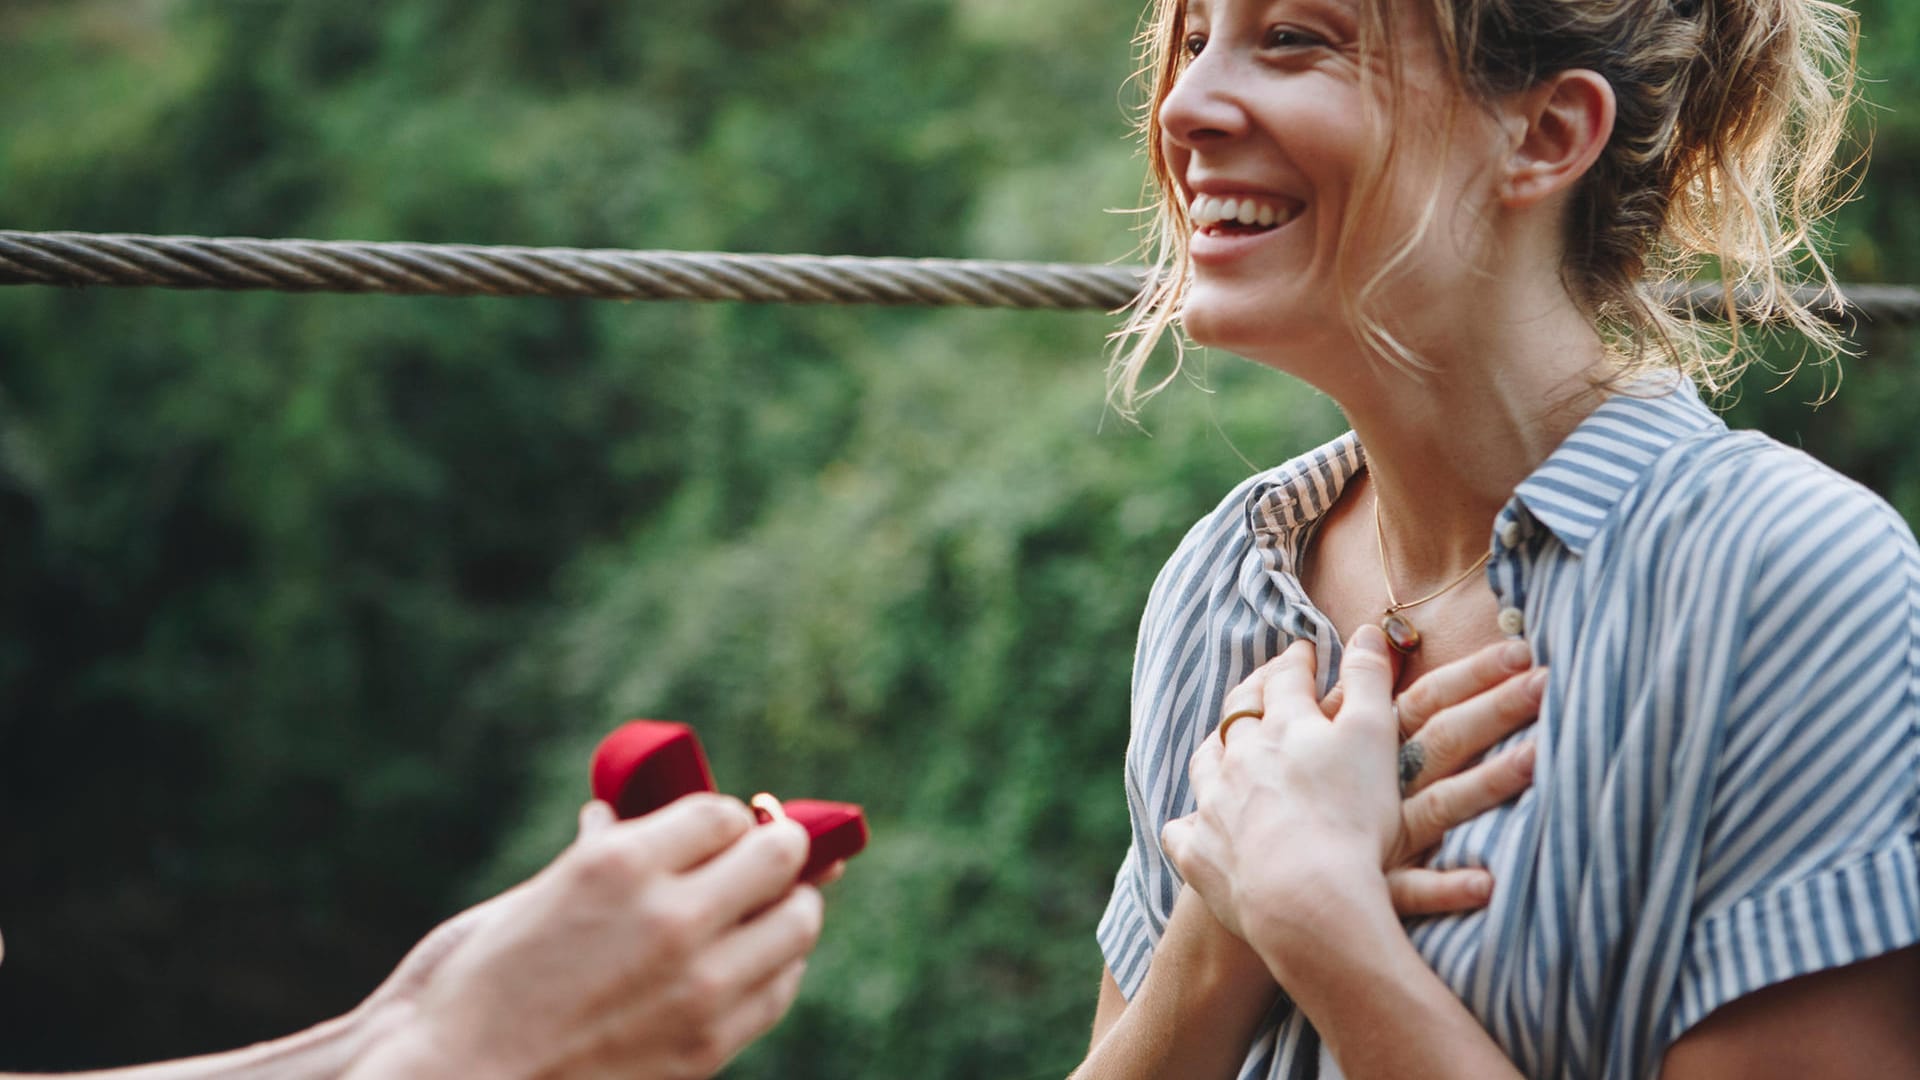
1510	534
1513	621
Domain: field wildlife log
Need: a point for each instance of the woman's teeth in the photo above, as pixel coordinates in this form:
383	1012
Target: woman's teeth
1249	211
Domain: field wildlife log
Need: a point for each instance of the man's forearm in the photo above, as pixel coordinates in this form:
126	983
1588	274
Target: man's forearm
325	1050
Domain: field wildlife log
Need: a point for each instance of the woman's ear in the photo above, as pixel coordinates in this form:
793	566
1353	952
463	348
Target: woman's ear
1556	130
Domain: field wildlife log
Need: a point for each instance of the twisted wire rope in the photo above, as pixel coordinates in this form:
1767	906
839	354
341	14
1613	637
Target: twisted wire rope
192	262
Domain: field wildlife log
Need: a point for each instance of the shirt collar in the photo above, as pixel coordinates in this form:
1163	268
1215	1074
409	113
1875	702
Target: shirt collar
1297	493
1576	489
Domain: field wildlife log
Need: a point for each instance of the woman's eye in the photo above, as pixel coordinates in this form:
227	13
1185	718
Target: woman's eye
1192	44
1286	37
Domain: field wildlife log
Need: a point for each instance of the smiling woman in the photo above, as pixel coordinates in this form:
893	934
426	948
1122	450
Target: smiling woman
1733	176
1700	858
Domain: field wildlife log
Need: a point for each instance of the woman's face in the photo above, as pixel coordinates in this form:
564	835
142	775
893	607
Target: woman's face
1268	132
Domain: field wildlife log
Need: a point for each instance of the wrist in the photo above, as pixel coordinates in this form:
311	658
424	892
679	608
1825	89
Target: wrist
1207	954
398	1042
1320	914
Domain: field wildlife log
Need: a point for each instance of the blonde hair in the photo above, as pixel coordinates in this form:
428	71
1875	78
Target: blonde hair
1731	115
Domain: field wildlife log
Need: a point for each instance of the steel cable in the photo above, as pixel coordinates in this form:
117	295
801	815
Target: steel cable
190	262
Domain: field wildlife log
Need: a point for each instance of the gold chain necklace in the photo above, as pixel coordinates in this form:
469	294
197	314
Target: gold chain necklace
1399	630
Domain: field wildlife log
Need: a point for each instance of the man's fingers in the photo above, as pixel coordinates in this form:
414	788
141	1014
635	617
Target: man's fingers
684	833
594	816
759	1010
1459	799
1461	733
1454	683
1420	891
769	942
751	874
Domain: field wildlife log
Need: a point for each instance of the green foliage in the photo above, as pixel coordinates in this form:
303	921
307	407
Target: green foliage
312	607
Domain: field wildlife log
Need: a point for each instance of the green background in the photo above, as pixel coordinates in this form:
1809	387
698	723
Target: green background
312	608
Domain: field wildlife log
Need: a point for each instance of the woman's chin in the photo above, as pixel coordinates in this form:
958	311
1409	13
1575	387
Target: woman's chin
1257	335
1214	326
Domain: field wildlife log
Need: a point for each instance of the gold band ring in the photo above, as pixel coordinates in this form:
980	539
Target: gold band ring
1242	701
1235	717
770	806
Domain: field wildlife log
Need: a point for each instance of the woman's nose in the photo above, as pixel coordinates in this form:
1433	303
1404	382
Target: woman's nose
1202	107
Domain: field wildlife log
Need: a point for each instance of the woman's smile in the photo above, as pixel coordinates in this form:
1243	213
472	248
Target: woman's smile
1226	226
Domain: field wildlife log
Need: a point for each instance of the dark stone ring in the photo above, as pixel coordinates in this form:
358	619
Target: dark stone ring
1413	758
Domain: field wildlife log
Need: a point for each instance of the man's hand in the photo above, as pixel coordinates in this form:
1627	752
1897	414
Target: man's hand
658	947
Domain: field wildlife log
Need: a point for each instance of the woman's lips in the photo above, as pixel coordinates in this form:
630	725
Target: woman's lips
1226	225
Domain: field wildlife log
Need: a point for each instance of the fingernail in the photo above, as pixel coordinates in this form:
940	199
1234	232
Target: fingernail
1483	887
1370	638
1537	681
1523	758
1516	655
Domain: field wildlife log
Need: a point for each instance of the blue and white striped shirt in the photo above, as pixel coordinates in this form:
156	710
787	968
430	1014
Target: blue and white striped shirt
1727	792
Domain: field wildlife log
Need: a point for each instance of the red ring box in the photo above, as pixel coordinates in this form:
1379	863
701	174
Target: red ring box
645	764
837	830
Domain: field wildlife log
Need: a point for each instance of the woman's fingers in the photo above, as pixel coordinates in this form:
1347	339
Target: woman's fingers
1199	855
1204	765
1366	673
1290	680
1248	700
1466	678
1417	890
1427	816
1461	733
1191	849
1330	705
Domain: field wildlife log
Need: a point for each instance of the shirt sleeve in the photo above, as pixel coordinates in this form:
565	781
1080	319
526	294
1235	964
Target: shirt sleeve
1125	941
1808	861
1130	928
1177	669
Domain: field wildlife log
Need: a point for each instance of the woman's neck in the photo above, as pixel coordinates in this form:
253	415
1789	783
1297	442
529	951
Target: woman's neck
1445	451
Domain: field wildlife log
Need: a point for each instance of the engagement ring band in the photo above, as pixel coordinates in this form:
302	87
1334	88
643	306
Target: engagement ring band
769	806
1235	717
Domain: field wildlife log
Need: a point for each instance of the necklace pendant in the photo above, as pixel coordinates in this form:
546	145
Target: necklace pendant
1400	633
